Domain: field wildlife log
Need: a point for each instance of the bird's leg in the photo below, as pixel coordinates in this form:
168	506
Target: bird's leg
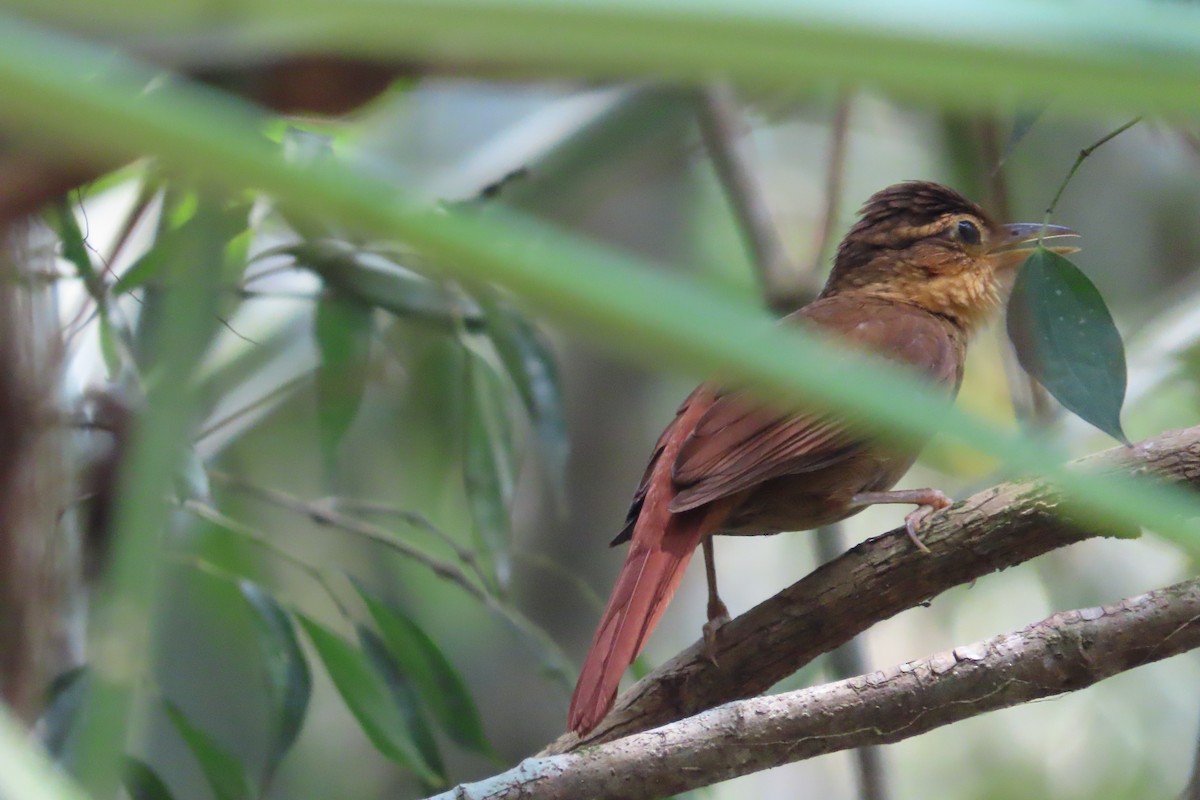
927	500
718	614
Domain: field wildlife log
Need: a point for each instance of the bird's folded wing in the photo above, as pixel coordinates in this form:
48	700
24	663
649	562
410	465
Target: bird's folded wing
739	443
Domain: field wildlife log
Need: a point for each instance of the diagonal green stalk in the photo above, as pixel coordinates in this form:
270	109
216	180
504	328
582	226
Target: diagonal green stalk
1104	54
26	771
593	291
119	642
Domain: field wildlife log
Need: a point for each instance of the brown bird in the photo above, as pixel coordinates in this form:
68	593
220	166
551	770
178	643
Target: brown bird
914	277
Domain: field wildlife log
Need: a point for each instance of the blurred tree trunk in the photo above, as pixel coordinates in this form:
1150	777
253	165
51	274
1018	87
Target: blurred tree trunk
36	563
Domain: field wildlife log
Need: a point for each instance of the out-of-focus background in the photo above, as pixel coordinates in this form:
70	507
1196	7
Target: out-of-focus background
442	422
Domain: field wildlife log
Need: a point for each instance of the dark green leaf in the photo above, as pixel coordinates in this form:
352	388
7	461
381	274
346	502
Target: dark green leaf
114	334
226	224
144	269
379	281
62	710
142	782
289	681
433	676
344	330
369	699
225	774
489	464
406	701
1065	338
198	241
74	249
530	364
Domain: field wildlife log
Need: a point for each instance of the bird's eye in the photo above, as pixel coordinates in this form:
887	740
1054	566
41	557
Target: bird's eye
968	232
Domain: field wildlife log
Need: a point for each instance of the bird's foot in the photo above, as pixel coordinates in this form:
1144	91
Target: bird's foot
718	615
930	500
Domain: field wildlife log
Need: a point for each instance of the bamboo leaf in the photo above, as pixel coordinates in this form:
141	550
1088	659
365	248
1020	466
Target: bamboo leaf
376	280
406	701
289	681
610	297
435	679
489	464
369	698
74	249
57	722
224	773
344	331
142	782
530	364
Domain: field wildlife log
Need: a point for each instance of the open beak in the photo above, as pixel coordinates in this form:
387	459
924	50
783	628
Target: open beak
1021	238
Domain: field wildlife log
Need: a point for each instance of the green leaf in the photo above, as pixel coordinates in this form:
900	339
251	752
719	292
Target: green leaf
344	330
57	722
74	249
1065	338
489	464
142	782
148	266
113	348
369	698
227	223
225	774
378	280
608	296
530	364
406	701
289	680
434	677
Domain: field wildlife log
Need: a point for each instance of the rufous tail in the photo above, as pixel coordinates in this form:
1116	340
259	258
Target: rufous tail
662	545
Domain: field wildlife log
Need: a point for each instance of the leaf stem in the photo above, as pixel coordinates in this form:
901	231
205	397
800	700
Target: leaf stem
1083	154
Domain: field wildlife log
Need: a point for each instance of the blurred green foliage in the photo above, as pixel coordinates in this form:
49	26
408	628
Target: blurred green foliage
348	369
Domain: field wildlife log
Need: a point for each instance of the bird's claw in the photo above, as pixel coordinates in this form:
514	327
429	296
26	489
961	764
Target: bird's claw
933	501
717	617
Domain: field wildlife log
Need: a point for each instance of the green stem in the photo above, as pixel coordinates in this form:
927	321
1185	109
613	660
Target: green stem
615	300
1111	56
124	617
1079	159
25	771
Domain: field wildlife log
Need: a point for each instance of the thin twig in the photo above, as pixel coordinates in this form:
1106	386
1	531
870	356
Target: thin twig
326	516
412	518
846	662
834	174
720	124
141	205
553	660
207	512
278	269
1192	790
249	408
1083	154
135	215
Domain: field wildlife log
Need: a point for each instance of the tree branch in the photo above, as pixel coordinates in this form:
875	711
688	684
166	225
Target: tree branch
1063	653
783	286
994	529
